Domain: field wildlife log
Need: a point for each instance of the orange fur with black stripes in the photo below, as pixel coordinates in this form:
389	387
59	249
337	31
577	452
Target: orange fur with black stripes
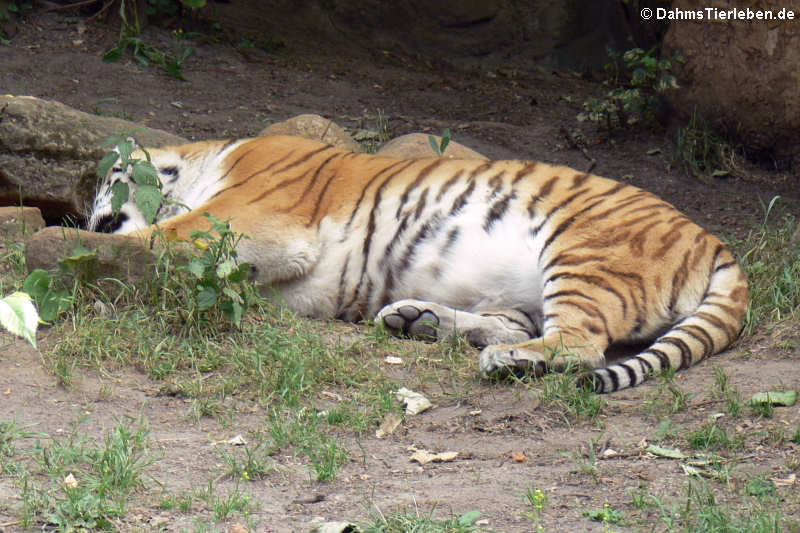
543	265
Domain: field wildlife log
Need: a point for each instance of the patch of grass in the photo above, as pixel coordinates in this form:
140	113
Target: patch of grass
702	153
405	522
772	264
729	393
568	391
249	462
713	437
87	486
669	398
700	512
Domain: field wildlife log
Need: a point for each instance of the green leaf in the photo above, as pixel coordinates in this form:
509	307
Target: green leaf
197	268
80	257
148	200
114	54
194	4
469	518
120	192
445	141
18	315
785	398
125	149
206	297
53	304
106	164
434	144
226	268
671	453
37	284
144	173
241	274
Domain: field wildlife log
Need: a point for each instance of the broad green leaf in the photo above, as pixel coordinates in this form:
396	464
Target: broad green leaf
226	268
197	267
148	200
106	164
469	518
53	304
37	284
241	274
785	398
125	148
120	192
79	258
206	297
144	173
671	453
18	315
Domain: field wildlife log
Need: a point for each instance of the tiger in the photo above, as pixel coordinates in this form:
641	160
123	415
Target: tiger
542	267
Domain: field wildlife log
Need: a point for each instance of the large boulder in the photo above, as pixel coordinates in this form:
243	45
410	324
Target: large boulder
314	127
49	153
741	76
415	145
122	257
487	34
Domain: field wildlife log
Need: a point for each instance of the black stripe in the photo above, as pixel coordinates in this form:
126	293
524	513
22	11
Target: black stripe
421	175
449	183
700	335
497	211
459	202
524	171
686	352
630	371
662	357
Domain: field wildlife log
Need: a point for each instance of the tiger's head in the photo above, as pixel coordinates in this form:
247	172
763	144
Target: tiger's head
170	165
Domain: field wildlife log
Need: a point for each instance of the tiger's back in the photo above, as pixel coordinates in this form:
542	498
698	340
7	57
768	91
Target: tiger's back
545	265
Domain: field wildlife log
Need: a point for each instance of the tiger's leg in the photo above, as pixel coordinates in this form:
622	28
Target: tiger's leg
558	350
432	321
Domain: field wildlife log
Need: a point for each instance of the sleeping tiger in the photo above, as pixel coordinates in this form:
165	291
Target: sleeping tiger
543	266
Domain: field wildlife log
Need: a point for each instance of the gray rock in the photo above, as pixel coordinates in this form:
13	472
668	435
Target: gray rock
49	153
16	223
741	76
122	257
314	127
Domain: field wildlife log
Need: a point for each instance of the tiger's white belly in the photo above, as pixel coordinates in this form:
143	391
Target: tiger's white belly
479	271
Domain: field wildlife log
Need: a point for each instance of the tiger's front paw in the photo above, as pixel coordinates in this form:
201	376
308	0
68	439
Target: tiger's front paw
410	318
499	359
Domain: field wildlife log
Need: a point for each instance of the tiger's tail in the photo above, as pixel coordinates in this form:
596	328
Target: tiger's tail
710	328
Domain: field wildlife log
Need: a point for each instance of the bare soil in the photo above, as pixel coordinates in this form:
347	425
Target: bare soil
499	113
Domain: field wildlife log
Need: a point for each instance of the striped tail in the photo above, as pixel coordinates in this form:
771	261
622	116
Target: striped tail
709	329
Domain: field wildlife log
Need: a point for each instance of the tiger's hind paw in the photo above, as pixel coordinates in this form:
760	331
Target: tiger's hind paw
503	359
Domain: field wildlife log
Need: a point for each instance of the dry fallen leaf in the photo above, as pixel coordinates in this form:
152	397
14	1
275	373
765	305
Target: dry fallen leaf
425	457
239	528
392	360
415	402
70	481
389	424
786	482
519	457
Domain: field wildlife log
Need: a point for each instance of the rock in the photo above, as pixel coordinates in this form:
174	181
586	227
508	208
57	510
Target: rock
122	257
486	34
741	76
49	153
314	127
418	145
18	222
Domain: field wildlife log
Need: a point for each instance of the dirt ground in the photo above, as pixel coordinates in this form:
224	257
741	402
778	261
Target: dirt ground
499	113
